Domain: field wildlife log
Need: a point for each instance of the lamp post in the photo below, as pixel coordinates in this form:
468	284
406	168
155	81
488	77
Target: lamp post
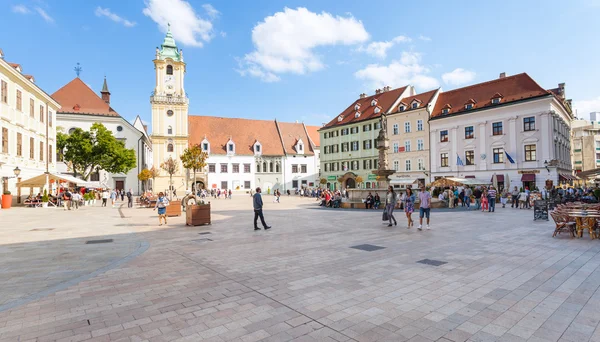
16	172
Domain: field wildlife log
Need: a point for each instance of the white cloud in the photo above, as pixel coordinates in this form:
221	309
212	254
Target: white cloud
379	49
585	107
285	42
458	76
424	38
44	15
105	12
211	11
187	26
406	70
20	9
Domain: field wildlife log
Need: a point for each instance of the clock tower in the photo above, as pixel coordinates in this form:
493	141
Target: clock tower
169	113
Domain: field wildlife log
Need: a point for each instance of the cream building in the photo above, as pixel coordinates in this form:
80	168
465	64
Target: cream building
408	131
586	144
169	114
27	128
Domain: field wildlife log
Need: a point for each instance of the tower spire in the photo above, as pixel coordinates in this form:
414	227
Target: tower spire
104	92
168	49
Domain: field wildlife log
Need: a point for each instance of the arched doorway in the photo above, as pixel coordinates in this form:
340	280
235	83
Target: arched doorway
350	183
199	185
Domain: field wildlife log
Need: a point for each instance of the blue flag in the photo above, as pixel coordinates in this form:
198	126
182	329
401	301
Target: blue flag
512	161
458	161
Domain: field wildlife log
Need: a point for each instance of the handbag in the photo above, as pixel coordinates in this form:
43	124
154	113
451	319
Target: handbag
385	216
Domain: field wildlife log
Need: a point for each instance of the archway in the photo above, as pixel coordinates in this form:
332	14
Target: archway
348	180
350	183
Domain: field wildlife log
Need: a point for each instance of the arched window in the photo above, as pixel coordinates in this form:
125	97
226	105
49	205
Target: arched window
72	130
265	167
170	148
271	167
258	167
169	130
169	70
277	168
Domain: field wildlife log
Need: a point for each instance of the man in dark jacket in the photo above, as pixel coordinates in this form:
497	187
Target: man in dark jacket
258	204
129	199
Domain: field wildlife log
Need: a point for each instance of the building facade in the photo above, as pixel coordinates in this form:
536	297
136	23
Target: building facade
80	108
408	132
586	144
349	140
27	129
510	127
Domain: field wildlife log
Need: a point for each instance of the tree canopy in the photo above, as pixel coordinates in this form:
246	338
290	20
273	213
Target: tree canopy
87	151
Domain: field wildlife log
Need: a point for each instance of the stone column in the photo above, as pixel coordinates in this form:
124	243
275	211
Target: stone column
482	136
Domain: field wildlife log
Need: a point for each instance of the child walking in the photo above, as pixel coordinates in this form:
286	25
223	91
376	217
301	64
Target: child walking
161	203
484	201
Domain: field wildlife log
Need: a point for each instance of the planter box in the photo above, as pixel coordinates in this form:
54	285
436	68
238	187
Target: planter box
196	215
6	201
174	208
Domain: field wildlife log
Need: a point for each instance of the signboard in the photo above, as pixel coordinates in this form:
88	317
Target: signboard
401	149
331	178
311	184
528	171
540	210
372	177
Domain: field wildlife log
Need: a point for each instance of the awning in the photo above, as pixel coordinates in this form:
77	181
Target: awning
403	181
40	181
500	178
567	176
528	177
451	181
469	176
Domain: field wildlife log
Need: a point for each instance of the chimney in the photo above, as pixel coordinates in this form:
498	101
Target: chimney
561	90
377	91
387	88
363	95
105	93
502	75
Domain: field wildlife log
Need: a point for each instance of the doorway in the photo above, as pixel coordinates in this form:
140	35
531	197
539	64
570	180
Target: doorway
119	185
350	183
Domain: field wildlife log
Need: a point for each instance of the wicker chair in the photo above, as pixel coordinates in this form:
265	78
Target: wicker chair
562	224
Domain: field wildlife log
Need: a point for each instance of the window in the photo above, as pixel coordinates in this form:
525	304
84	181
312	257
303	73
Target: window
169	113
4	140
496	100
31	107
470	157
415	105
367	144
19	144
212	168
345	147
224	168
119	128
205	147
303	168
419	125
401	108
41	113
445	111
326	167
230	148
294	184
235	168
420	145
4	91
50	119
444	160
444	136
246	168
223	184
407	165
530	152
407	127
31	148
377	125
407	146
344	131
247	184
300	148
469	132
498	155
355	165
19	101
366	128
169	147
396	165
529	124
354	130
277	168
420	164
258	167
41	151
355	146
396	147
257	148
271	167
395	129
169	130
497	128
294	168
49	153
469	106
169	70
367	164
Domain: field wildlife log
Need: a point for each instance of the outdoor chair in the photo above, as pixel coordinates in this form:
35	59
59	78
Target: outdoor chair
563	224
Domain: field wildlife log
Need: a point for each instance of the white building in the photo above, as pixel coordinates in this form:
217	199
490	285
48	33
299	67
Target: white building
301	156
487	125
81	107
27	129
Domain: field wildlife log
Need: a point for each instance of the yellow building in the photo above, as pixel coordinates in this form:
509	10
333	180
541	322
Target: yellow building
27	128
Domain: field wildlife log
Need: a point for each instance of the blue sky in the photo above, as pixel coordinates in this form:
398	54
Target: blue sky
303	60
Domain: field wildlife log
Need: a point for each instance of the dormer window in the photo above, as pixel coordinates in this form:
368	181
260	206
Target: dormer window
357	114
205	146
469	106
357	106
415	105
257	149
401	108
300	146
169	70
445	111
340	118
377	110
374	103
497	98
230	147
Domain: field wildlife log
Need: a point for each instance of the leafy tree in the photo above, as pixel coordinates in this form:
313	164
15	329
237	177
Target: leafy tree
171	167
193	158
86	151
323	181
144	176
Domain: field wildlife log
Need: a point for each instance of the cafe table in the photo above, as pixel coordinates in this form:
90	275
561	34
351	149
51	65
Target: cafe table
585	220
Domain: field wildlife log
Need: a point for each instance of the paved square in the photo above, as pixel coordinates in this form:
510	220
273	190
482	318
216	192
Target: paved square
506	278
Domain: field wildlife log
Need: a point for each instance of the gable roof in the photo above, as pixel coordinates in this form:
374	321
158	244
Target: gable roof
313	134
243	132
513	88
77	98
424	98
291	133
384	100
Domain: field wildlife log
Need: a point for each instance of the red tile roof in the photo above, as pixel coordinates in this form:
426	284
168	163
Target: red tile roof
423	98
384	100
313	133
243	132
513	88
16	66
77	98
290	134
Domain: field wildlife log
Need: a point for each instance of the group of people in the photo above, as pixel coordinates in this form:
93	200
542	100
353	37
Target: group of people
484	197
114	195
329	198
407	201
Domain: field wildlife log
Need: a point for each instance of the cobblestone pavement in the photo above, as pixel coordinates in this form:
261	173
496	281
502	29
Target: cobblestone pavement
504	278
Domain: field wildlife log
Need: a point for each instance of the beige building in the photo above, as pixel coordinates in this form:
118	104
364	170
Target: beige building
408	131
27	128
585	142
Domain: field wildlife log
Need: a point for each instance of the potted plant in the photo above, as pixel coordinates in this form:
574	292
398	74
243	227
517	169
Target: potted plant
197	212
45	199
6	199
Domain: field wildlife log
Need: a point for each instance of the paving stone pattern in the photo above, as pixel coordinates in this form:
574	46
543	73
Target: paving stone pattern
506	279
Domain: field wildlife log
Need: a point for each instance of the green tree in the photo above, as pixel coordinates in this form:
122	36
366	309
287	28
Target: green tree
86	151
194	159
171	167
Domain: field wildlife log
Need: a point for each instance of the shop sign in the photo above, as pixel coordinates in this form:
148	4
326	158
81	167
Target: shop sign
528	171
372	177
331	178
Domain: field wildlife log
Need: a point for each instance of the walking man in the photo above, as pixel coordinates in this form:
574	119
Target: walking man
258	205
492	199
515	198
129	199
104	197
467	199
424	206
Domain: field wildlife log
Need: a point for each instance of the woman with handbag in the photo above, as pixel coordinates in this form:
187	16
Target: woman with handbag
161	203
409	207
390	204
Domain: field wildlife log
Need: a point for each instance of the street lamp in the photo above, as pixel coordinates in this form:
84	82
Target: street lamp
17	171
546	166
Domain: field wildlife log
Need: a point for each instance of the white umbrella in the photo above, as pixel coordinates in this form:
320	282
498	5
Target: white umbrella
506	183
495	181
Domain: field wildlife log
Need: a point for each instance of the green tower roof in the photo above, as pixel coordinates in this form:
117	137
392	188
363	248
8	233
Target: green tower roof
168	49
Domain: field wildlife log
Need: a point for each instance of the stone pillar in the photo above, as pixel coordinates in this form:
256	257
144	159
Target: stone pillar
482	145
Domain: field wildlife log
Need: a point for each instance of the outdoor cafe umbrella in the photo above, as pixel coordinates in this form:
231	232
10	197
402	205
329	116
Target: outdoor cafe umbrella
495	181
506	182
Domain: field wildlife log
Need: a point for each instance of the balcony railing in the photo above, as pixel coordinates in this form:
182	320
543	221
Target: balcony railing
170	99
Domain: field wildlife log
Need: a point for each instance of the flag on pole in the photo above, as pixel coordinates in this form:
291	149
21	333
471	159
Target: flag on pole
512	161
459	162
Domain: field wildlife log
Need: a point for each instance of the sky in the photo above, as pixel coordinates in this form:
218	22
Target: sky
303	60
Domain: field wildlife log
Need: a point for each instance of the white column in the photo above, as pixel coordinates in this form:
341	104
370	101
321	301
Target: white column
482	136
546	138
